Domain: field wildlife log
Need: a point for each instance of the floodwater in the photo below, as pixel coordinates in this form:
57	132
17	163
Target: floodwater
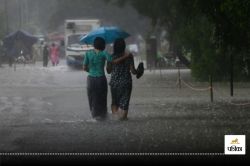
46	110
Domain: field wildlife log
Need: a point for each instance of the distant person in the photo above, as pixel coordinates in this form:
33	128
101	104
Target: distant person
54	54
97	88
45	55
35	53
12	54
121	80
62	49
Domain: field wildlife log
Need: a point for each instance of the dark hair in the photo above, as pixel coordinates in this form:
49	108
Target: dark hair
99	43
119	46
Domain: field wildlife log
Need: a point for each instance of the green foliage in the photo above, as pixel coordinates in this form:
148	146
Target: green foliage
210	30
232	31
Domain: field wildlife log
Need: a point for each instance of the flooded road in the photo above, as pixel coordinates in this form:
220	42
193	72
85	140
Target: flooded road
46	110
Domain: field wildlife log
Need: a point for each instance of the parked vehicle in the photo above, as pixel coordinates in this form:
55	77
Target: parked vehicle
74	49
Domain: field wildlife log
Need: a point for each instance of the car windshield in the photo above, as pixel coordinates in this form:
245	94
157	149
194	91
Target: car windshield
74	40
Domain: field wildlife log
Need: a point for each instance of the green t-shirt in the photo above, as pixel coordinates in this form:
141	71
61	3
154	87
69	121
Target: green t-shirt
96	62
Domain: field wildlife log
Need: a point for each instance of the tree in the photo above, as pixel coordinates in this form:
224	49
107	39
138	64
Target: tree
2	33
215	32
232	32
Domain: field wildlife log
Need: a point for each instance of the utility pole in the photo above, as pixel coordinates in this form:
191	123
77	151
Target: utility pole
177	62
231	75
25	13
6	15
20	13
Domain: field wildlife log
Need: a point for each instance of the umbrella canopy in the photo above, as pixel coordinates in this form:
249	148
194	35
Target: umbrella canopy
109	34
21	36
17	41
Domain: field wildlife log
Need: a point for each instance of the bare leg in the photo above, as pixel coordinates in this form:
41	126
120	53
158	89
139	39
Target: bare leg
123	115
114	109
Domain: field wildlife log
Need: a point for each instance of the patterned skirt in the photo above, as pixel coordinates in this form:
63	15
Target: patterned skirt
121	96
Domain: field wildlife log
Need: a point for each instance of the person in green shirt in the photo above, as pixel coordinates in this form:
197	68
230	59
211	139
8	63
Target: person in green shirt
97	88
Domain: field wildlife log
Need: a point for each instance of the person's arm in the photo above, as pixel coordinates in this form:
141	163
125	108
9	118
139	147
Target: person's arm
109	67
86	63
121	59
86	68
50	51
132	66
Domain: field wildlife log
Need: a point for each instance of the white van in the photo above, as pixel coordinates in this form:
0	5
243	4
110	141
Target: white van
74	31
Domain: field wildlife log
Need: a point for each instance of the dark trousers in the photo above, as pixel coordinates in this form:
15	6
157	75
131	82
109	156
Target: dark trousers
97	89
45	61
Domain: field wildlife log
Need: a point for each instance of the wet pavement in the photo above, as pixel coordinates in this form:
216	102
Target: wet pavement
45	110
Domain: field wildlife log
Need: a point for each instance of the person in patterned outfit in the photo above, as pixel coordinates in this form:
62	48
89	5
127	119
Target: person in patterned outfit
121	80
